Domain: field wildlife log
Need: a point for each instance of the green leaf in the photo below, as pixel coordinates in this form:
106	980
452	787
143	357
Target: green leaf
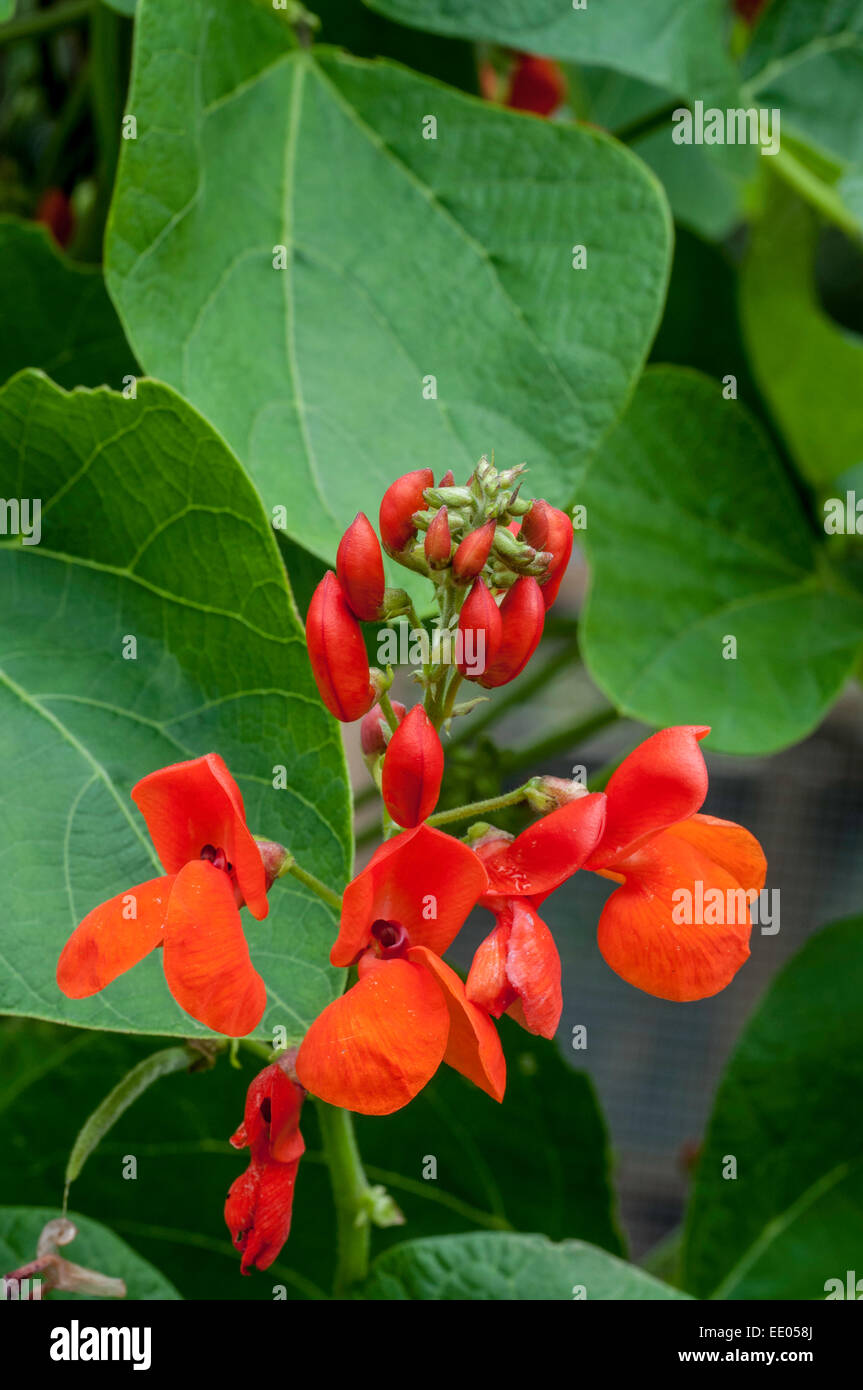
785	1110
408	257
56	315
7	9
149	529
809	392
503	1267
126	7
94	1247
680	47
537	1162
688	491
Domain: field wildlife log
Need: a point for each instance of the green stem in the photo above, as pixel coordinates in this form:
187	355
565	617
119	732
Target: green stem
388	712
520	692
351	1195
323	892
818	194
29	26
478	808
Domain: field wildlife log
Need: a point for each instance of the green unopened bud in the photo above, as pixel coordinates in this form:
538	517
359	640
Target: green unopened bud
546	794
448	496
380	1209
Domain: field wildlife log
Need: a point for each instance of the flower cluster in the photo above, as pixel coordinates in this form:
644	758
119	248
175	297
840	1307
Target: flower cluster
496	562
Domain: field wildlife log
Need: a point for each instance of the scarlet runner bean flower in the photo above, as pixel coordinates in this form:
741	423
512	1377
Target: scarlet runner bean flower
260	1201
401	499
472	553
481	630
374	727
536	84
337	652
517	968
375	1048
194	812
659	848
413	770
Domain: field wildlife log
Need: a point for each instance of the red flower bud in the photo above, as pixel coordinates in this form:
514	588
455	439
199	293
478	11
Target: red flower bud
546	528
438	542
337	652
372	729
522	616
360	568
537	84
413	770
448	479
481	629
401	499
54	211
473	552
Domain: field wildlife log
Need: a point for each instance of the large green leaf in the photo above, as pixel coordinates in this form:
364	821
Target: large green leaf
150	530
678	46
786	1111
94	1247
812	393
408	257
56	315
538	1162
688	493
504	1267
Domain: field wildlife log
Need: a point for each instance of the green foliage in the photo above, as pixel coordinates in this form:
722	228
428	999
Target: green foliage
161	538
447	257
791	1219
507	1267
689	491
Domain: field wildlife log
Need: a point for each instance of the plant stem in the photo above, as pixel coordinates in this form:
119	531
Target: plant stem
478	808
29	26
350	1194
814	191
389	713
521	691
326	894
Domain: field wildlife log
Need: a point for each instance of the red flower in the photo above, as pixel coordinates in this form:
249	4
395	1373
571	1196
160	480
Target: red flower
549	529
660	850
401	499
536	84
337	652
413	770
472	553
194	812
260	1201
375	1048
517	968
522	616
360	569
55	212
481	629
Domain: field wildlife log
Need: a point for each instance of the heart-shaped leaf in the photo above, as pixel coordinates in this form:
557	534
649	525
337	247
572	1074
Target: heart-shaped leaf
424	307
711	602
151	623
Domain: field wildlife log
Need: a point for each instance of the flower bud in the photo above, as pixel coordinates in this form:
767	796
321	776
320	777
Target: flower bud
522	616
448	479
548	529
276	859
374	729
401	499
360	569
337	652
438	541
471	555
481	630
413	770
545	794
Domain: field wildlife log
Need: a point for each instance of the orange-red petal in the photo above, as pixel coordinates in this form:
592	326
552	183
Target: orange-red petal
374	1049
207	963
473	1047
197	803
109	941
539	859
533	970
640	939
661	782
727	844
424	880
487	983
